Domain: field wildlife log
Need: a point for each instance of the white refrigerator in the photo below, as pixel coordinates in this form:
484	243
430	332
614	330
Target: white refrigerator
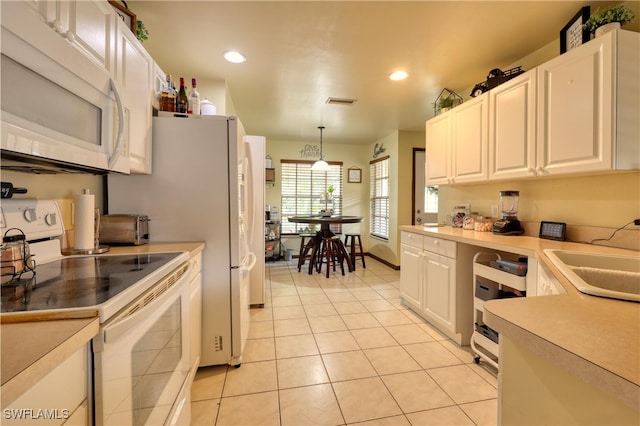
199	191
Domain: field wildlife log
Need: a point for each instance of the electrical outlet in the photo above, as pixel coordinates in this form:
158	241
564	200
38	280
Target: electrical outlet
494	210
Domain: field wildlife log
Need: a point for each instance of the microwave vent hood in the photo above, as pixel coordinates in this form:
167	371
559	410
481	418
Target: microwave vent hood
37	165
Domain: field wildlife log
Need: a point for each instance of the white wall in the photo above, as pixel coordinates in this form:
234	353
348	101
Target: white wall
399	147
353	193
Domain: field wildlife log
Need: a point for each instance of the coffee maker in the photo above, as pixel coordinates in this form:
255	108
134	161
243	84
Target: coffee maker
509	224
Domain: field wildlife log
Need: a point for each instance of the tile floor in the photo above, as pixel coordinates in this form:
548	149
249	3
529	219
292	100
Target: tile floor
344	351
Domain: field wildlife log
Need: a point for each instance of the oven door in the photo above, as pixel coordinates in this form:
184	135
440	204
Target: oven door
141	359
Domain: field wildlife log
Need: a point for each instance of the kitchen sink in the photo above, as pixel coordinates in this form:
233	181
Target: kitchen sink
605	275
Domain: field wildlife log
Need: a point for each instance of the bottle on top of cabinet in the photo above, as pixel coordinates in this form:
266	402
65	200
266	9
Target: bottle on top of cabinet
168	96
181	100
194	99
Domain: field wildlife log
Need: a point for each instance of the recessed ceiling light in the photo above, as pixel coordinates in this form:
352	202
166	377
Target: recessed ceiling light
398	75
235	57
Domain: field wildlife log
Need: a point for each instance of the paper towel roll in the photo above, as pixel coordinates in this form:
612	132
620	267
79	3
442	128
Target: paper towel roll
84	211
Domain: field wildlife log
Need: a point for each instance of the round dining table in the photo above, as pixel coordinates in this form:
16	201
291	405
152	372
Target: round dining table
315	260
325	221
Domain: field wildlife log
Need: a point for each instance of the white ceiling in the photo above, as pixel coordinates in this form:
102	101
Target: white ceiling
302	52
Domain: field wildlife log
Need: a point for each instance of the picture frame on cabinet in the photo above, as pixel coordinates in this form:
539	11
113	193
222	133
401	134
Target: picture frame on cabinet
127	16
573	35
354	175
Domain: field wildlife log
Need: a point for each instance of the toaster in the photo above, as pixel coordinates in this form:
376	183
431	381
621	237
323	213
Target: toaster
124	229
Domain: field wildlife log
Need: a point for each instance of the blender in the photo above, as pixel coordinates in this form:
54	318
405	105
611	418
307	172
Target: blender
509	224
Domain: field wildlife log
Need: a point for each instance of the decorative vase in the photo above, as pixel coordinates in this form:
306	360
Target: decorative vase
606	28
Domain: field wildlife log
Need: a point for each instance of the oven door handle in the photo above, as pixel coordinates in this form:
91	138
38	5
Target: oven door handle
132	318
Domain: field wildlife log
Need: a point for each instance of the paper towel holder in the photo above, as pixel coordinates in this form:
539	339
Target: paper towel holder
97	248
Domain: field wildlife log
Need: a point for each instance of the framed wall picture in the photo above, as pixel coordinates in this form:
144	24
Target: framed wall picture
572	35
127	16
354	175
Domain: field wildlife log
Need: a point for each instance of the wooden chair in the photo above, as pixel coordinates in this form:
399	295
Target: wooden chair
350	241
306	249
330	253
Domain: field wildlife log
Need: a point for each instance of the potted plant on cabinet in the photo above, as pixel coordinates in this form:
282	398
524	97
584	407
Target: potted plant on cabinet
445	104
601	22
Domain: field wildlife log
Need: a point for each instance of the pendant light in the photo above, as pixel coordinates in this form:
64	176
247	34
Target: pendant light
320	165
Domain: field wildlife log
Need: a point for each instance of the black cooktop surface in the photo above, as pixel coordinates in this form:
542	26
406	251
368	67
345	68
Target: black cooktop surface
76	282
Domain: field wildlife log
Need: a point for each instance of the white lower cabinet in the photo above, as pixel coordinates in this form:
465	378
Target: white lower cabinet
435	282
439	283
410	273
58	398
546	284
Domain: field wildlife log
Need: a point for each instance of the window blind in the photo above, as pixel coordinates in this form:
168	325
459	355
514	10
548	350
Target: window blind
301	190
379	197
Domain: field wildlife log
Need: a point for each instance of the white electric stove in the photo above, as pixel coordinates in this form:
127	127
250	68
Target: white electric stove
78	285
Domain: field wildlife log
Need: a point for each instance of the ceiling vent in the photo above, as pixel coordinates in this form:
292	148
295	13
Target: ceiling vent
340	101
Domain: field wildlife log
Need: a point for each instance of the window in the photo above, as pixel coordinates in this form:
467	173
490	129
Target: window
302	190
431	199
379	194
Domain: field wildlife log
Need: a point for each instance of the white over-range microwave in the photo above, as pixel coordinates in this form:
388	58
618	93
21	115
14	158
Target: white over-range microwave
59	108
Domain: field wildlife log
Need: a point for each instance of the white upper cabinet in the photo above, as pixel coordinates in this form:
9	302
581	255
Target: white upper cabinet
438	150
87	40
134	69
469	140
87	25
588	107
576	114
456	144
512	128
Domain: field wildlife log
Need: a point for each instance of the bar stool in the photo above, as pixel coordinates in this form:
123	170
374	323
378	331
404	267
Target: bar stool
350	241
305	247
330	253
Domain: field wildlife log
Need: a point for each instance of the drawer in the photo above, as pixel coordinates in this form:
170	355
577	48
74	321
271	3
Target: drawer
436	245
411	239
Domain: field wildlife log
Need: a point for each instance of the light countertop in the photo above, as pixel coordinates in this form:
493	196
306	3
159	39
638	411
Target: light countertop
31	349
594	338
